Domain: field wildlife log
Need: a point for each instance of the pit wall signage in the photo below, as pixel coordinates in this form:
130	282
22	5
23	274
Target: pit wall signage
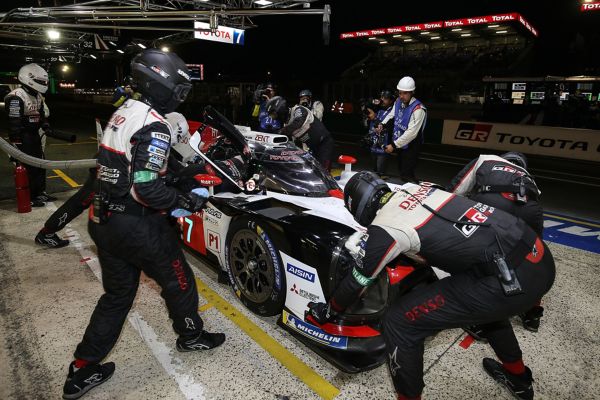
453	23
595	6
580	144
223	34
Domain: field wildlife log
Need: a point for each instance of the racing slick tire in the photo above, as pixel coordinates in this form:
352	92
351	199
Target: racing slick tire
254	268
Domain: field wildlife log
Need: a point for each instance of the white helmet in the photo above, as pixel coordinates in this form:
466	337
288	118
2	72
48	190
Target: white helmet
35	77
180	127
406	84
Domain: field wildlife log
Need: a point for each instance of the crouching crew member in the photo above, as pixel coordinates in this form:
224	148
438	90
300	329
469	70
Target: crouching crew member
498	266
504	182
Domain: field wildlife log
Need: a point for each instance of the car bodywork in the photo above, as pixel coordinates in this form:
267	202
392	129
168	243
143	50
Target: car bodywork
280	241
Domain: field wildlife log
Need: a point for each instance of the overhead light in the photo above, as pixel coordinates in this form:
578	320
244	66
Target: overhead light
263	2
141	45
493	26
425	33
397	36
456	29
93	56
164	49
408	40
383	42
465	34
113	43
53	34
435	37
65	68
501	31
120	51
372	38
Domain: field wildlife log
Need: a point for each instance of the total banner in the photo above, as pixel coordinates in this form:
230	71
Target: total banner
579	144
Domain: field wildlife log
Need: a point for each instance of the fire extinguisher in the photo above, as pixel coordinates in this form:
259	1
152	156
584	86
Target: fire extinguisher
22	186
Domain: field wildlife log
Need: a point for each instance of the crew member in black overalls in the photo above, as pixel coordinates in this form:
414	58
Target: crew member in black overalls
504	182
499	267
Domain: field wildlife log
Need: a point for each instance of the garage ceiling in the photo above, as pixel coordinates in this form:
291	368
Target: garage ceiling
109	27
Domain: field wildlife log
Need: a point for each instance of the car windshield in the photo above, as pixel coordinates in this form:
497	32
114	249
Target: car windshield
290	170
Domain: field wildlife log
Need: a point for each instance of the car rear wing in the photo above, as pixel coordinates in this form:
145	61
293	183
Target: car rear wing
261	137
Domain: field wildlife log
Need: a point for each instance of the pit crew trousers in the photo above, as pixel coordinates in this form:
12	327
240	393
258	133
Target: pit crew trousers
460	300
407	160
324	152
74	206
127	245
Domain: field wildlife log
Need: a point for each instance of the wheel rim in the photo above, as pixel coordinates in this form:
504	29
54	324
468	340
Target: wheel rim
251	265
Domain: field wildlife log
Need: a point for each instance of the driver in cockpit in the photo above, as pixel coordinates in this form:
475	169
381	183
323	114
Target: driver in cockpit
184	163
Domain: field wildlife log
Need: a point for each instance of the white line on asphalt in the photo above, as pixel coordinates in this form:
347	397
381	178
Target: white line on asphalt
188	386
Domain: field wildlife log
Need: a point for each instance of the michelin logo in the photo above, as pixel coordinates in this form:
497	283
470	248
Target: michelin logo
306	329
308	276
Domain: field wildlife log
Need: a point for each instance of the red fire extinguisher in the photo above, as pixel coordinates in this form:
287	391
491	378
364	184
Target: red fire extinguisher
22	186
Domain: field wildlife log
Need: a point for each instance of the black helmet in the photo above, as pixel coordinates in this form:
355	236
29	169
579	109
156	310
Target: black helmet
127	80
516	158
162	78
305	92
362	196
370	103
277	105
386	94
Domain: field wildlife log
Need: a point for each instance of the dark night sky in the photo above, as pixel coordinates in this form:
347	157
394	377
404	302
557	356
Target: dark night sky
291	47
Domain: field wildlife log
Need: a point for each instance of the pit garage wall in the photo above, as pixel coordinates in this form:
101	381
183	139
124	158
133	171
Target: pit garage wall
579	144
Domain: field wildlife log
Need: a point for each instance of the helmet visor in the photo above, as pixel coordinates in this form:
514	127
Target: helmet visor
181	91
43	82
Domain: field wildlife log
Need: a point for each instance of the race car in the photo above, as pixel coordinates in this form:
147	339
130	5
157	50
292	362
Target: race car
279	237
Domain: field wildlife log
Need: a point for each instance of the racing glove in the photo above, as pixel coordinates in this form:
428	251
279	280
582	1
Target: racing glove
189	203
320	312
184	178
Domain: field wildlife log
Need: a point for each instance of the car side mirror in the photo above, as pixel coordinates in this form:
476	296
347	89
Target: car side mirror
209	181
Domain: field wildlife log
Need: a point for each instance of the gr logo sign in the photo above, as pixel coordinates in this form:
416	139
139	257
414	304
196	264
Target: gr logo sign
474	132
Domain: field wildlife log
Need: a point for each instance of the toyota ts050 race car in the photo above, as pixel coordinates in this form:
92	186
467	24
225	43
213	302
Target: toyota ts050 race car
279	238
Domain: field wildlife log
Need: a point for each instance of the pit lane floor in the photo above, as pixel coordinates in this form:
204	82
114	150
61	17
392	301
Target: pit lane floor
47	297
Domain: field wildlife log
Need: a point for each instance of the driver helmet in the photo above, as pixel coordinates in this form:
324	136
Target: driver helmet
34	78
363	196
162	78
179	125
278	106
370	104
516	158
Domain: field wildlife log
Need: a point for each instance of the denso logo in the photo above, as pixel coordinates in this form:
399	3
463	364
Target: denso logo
416	198
308	276
215	213
475	132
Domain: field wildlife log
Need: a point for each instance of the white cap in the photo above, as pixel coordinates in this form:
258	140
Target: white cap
406	84
35	77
